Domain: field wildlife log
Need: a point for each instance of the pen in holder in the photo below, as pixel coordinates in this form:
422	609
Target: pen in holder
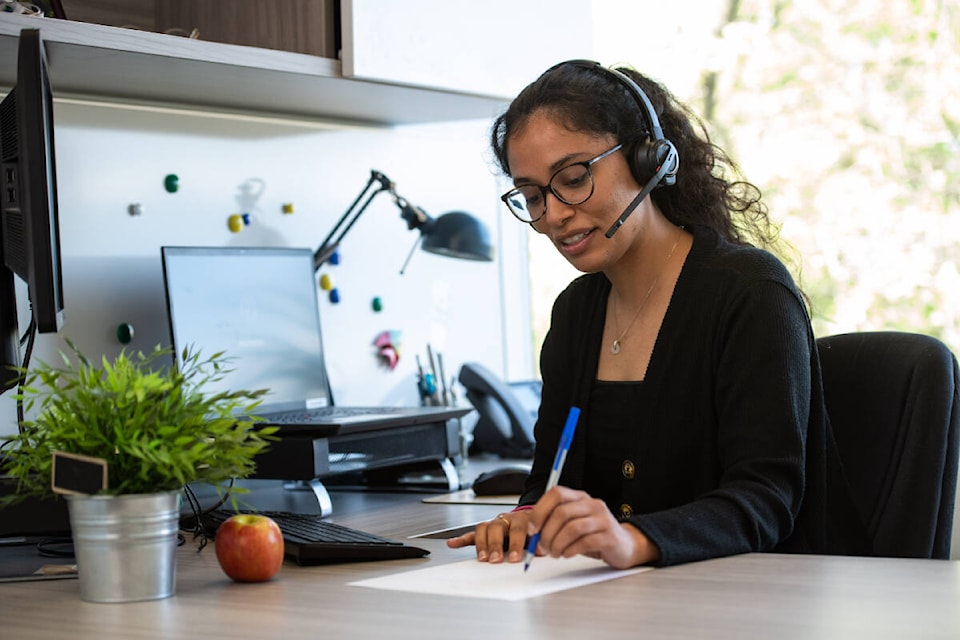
432	386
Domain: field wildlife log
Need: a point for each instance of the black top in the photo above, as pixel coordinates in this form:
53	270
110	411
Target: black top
725	446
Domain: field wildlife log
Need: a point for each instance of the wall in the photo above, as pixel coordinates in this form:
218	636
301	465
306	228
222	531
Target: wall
111	156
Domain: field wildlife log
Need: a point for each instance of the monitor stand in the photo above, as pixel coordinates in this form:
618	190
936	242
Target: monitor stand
319	491
32	516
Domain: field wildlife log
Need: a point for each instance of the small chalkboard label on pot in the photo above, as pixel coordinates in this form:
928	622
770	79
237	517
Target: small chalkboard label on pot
74	474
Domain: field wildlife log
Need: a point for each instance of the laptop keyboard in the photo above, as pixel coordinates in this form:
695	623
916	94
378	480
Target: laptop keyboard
342	414
309	539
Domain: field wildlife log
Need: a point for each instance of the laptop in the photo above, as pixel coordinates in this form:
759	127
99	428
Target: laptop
259	306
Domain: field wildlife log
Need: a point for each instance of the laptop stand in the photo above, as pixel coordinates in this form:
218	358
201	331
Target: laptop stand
416	457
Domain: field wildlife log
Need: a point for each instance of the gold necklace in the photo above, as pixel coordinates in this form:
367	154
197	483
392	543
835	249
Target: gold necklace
615	347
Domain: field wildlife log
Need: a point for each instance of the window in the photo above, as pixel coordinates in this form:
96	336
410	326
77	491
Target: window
846	115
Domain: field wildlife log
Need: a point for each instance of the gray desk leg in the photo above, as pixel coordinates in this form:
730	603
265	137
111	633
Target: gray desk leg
319	491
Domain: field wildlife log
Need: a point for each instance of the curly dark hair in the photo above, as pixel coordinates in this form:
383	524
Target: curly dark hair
709	189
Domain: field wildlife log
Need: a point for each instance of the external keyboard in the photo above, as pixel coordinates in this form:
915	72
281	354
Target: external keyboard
309	539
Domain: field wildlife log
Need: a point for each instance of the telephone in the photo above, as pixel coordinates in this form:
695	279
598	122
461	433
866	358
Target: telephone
507	412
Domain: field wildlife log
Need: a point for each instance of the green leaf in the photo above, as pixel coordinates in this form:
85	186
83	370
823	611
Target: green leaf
155	422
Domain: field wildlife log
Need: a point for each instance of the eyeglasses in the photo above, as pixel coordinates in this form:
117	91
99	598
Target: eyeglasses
571	185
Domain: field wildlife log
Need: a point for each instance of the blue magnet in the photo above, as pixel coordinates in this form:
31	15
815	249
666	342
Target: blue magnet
334	295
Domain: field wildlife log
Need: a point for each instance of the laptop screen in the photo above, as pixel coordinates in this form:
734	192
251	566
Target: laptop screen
259	306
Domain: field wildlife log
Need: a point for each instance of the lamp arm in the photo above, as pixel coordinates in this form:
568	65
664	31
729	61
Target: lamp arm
414	216
350	217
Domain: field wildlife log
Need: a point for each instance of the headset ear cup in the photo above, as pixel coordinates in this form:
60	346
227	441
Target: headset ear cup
644	160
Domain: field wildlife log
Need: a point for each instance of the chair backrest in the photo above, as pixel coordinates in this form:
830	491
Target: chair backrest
893	399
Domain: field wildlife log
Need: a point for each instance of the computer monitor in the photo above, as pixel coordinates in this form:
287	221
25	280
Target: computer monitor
29	225
9	328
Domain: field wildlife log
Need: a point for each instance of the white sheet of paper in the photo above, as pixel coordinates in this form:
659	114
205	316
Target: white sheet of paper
467	496
505	581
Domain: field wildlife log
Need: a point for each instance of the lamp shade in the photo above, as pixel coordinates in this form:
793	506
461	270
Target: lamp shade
458	235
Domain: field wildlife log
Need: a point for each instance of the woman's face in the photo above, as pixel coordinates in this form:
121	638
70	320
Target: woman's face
537	151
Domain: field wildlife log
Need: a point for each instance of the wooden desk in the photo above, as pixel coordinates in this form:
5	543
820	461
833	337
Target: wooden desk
750	596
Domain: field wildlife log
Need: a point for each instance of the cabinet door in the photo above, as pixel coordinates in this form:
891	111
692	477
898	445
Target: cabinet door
135	14
492	48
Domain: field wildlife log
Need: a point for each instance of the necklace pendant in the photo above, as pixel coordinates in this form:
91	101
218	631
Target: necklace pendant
615	347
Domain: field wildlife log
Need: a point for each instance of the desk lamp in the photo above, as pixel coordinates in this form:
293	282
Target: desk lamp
455	234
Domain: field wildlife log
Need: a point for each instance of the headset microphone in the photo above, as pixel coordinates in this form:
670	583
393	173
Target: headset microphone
668	165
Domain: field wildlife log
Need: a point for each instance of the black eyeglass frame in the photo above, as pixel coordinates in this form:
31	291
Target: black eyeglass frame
586	164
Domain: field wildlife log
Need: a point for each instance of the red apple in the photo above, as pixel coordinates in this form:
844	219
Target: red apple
249	547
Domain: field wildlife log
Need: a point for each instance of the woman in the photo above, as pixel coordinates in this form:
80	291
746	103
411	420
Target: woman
687	346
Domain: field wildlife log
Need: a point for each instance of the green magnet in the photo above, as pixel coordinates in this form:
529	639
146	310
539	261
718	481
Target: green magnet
171	183
377	304
125	333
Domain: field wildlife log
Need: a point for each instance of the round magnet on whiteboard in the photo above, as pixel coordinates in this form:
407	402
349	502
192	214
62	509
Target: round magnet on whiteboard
235	222
135	209
125	333
287	207
171	183
246	218
334	295
326	282
334	257
377	304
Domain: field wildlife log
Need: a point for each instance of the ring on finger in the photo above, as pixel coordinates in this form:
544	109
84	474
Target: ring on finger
502	518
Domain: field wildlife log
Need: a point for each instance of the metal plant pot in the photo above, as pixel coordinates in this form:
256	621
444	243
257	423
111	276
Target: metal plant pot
125	545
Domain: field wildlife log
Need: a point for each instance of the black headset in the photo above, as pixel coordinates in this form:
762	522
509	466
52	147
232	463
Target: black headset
653	161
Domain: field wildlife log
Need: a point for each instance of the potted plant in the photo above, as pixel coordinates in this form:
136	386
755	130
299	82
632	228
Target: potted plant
155	427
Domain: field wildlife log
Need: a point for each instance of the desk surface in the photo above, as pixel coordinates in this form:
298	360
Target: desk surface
749	596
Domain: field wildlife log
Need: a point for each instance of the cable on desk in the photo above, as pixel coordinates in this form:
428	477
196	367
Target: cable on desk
55	548
196	527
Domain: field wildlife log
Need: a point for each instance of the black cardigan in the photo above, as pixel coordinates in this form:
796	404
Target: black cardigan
734	425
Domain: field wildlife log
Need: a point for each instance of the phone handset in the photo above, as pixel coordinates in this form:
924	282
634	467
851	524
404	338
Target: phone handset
504	425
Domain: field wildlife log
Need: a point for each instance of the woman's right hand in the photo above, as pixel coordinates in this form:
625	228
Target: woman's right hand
504	537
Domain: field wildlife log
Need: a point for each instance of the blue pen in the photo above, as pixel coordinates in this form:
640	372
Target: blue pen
565	439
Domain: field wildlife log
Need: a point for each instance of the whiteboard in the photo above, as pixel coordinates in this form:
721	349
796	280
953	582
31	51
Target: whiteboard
111	156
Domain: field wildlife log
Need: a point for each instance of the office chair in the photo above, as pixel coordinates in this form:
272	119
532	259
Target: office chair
894	403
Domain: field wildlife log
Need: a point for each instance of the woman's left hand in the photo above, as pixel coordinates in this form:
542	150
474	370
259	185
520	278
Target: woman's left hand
573	523
502	538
